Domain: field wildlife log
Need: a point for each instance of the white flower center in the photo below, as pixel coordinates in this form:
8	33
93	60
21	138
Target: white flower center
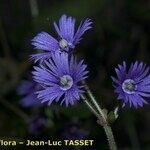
66	82
63	43
129	86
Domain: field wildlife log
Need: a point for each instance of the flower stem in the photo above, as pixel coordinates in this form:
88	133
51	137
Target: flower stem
96	105
90	106
110	137
103	119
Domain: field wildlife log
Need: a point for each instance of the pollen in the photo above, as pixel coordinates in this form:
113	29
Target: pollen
66	82
129	86
63	44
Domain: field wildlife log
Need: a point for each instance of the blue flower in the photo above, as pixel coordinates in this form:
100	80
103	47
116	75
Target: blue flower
73	131
67	40
60	79
37	124
133	84
27	89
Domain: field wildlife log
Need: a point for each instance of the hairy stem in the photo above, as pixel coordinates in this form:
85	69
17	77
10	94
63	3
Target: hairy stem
96	105
102	118
90	106
34	8
110	137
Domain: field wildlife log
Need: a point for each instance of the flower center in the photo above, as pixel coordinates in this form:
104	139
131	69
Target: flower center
63	43
66	82
129	86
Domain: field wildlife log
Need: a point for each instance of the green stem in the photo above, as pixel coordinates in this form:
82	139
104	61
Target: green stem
103	119
90	106
96	105
34	8
110	137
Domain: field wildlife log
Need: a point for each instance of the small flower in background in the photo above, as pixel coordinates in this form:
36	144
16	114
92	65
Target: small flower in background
73	131
27	89
133	85
67	38
59	78
37	125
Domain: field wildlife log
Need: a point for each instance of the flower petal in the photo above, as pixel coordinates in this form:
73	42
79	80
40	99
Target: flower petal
40	56
66	28
45	41
84	26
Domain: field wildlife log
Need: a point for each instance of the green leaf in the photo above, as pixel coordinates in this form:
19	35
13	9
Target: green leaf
113	115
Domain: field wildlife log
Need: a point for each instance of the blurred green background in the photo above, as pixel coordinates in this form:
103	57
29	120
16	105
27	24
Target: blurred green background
120	32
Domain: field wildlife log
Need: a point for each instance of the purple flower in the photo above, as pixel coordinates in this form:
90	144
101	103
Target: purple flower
60	79
133	84
66	41
37	125
73	131
27	88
